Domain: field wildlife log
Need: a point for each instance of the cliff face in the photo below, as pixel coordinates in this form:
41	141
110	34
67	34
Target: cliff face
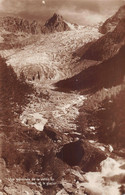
54	24
110	24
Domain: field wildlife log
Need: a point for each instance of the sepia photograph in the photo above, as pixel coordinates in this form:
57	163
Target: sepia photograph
62	97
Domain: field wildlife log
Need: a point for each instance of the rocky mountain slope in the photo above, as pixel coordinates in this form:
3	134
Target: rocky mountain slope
13	24
105	47
104	75
110	24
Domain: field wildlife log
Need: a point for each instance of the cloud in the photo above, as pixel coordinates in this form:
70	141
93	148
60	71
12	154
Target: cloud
85	17
79	11
1	6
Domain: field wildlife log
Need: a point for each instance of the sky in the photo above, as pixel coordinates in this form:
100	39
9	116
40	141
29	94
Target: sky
75	11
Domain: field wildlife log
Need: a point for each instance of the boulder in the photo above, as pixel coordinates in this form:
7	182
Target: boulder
72	153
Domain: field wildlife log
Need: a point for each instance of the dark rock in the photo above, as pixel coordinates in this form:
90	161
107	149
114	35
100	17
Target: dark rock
50	133
84	155
71	153
92	160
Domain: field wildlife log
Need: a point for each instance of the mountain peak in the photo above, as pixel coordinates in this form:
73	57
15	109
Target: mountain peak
56	23
55	15
56	18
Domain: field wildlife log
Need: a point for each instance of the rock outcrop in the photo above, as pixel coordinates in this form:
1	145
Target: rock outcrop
72	153
110	24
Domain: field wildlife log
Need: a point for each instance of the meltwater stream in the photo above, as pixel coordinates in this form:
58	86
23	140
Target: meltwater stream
110	179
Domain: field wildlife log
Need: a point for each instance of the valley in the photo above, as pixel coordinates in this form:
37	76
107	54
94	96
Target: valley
57	111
